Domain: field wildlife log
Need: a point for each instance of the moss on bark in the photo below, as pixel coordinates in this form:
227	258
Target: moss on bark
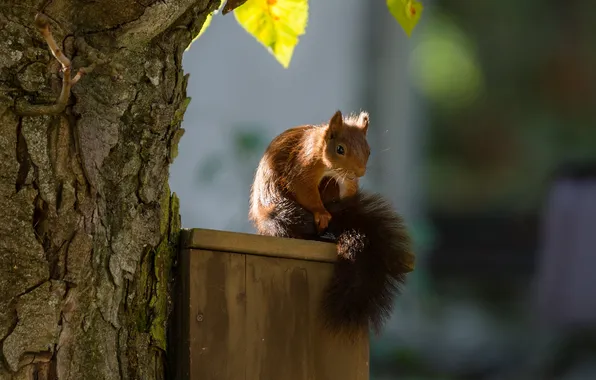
89	222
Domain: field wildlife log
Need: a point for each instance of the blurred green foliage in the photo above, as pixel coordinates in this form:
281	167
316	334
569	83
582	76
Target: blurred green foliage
244	148
509	99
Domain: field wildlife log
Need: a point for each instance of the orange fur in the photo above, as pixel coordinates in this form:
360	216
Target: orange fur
303	163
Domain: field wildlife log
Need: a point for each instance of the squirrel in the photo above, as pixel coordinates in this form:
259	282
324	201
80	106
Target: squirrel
306	186
297	161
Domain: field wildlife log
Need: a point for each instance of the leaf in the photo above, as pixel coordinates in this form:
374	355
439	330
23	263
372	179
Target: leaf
276	24
205	25
406	12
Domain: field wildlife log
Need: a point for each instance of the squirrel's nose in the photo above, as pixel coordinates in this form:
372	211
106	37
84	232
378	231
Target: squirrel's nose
361	171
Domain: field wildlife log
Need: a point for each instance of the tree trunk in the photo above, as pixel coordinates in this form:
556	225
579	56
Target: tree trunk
88	227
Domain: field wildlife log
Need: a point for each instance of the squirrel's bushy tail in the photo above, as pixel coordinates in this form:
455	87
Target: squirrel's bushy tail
374	252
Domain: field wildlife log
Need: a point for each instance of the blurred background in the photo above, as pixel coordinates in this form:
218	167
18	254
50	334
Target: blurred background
483	135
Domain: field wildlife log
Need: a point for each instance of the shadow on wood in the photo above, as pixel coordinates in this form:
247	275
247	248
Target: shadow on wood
248	308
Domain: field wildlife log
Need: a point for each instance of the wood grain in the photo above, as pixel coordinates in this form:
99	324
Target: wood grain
179	335
217	316
260	245
285	339
250	315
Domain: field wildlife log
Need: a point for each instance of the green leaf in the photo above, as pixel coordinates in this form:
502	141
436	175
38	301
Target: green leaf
406	12
276	24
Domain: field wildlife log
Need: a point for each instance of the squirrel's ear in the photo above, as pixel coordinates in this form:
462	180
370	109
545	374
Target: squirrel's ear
363	121
335	124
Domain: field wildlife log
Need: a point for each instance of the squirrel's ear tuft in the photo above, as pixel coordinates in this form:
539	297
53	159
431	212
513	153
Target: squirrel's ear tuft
363	121
335	124
337	119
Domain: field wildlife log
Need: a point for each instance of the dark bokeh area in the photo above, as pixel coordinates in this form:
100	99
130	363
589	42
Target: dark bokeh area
507	284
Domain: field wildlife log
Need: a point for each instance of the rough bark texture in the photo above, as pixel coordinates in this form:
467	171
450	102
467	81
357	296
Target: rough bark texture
87	224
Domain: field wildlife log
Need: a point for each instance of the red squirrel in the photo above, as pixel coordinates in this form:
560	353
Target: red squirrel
312	164
307	181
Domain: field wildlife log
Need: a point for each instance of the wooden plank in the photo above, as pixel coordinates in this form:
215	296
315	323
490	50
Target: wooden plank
259	245
283	330
179	358
217	315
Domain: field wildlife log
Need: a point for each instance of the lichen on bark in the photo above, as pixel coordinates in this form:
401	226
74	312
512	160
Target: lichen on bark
88	227
164	257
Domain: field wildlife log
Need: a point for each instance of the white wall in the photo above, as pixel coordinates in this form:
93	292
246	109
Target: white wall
353	55
233	80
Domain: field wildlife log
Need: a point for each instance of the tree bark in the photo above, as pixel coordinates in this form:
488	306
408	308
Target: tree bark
88	228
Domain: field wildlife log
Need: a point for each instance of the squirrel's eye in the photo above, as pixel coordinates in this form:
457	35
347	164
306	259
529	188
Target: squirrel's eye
340	150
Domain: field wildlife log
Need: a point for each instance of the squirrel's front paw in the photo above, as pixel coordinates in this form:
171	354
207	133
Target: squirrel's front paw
322	220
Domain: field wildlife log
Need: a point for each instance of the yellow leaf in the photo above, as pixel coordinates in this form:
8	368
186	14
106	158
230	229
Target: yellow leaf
205	25
406	12
276	24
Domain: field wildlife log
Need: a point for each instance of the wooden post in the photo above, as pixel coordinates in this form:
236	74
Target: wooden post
248	308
